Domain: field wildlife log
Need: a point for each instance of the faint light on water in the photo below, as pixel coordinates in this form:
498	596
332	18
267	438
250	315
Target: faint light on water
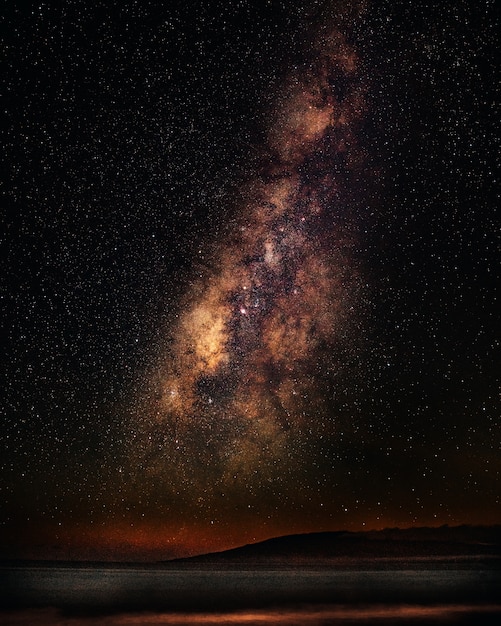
318	615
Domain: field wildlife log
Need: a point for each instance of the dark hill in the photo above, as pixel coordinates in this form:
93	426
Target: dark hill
462	543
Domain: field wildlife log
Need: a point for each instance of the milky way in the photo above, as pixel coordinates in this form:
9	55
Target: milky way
269	323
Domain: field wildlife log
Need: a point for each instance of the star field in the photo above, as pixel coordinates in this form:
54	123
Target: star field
251	262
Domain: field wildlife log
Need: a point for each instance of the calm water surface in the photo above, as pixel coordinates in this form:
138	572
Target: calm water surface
136	596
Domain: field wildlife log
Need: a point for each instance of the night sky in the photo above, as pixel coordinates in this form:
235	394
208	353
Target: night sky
249	272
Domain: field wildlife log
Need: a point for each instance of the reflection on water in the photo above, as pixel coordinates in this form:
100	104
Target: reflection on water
91	596
305	616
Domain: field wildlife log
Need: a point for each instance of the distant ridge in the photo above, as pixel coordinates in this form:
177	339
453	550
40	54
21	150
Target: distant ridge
324	548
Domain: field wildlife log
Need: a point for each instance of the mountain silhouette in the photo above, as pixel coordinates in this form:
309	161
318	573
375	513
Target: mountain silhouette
323	548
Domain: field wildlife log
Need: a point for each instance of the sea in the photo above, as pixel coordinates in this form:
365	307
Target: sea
150	595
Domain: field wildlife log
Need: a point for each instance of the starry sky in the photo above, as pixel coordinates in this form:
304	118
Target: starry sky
249	272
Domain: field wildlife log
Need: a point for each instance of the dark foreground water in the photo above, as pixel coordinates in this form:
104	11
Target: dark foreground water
77	596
